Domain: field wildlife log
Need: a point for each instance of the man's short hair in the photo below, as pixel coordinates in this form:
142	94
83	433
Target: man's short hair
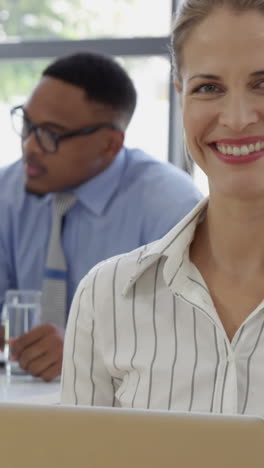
102	79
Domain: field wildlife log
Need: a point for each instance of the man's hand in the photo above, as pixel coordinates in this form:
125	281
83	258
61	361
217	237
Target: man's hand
39	352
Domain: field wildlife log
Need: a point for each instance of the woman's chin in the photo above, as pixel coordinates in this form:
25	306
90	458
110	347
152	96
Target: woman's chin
237	189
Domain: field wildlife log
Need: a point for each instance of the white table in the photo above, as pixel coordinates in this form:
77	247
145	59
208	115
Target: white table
27	389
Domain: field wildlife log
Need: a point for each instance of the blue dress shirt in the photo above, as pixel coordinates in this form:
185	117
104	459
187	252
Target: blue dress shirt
136	200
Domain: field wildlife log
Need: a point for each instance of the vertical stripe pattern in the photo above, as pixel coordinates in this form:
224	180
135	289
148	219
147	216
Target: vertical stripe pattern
248	368
136	341
74	352
135	348
155	335
216	368
175	352
224	380
195	359
114	315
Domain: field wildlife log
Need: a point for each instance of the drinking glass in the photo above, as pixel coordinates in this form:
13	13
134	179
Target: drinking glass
21	312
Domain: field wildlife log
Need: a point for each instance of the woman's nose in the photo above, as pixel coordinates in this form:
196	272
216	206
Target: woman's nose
239	112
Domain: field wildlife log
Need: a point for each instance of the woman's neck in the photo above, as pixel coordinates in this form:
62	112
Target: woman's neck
231	237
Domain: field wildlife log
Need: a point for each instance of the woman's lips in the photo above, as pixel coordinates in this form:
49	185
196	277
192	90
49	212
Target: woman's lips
231	159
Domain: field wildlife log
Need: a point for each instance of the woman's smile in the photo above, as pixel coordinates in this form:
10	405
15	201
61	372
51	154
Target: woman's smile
222	98
242	151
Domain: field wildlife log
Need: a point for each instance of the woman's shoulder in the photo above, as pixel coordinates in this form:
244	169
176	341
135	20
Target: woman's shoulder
116	276
123	265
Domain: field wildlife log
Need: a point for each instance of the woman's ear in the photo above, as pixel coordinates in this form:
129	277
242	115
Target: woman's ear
177	85
178	89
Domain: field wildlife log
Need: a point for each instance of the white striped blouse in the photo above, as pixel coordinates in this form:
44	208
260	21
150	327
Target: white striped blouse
143	332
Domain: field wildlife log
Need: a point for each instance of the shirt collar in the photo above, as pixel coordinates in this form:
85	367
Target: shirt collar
172	247
97	192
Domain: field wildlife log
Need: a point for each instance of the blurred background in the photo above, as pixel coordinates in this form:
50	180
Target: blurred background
136	32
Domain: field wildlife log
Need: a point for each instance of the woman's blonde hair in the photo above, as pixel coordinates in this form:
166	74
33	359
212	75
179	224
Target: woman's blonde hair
189	14
192	12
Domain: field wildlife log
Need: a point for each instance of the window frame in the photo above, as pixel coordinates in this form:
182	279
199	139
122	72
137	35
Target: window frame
136	47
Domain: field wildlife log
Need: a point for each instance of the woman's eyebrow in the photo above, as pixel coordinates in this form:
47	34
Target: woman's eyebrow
205	76
209	76
257	73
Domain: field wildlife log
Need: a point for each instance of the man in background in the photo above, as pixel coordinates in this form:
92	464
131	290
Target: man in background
78	196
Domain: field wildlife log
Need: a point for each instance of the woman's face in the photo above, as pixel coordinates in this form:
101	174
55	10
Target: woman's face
222	98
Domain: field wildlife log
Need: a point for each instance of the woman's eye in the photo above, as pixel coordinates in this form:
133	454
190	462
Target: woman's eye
207	89
260	84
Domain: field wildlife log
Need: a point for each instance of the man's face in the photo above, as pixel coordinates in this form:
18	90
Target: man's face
61	108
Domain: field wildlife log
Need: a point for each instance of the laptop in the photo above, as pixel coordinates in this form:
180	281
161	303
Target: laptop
84	437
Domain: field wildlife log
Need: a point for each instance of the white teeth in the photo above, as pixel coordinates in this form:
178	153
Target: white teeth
236	151
243	150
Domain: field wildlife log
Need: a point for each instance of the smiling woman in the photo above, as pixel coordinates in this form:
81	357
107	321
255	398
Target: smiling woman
179	323
222	103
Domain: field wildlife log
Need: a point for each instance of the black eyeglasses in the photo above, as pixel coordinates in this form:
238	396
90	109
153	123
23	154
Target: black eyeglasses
48	140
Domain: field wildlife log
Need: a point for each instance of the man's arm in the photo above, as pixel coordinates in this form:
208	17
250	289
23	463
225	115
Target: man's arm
39	351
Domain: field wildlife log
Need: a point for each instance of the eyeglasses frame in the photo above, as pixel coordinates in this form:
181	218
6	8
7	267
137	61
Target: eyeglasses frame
58	138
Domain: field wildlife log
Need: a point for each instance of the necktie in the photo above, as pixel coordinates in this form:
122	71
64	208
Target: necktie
55	273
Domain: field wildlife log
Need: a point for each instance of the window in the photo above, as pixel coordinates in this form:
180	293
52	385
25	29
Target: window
82	19
17	80
136	31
